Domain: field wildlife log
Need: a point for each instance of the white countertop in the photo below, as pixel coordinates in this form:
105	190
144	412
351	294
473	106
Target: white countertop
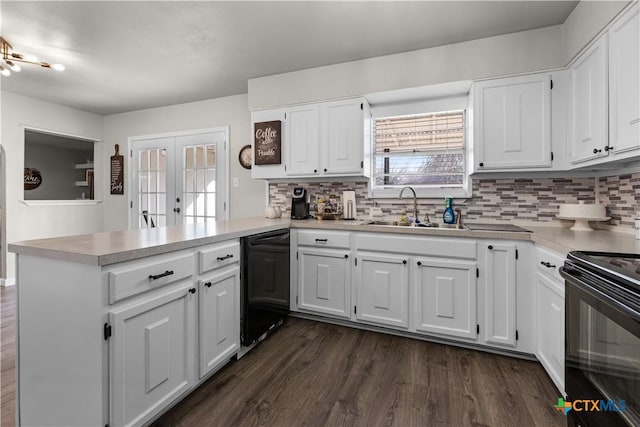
118	246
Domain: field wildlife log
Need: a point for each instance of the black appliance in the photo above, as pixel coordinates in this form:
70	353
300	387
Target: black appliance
299	204
265	283
602	341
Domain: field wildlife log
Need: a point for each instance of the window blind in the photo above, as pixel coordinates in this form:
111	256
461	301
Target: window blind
432	132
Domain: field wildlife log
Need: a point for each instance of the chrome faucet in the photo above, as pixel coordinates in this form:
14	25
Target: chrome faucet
458	218
415	201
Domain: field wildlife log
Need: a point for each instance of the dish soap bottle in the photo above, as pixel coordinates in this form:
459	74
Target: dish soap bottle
449	217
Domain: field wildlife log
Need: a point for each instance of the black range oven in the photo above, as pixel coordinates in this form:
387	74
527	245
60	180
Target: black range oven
602	347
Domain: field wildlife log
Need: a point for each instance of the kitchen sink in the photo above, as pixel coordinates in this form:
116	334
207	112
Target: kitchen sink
421	225
388	223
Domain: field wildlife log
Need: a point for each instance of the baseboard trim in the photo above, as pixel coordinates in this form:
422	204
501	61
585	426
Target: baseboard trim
11	281
372	328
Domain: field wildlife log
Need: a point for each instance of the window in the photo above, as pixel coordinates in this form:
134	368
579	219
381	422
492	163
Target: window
425	151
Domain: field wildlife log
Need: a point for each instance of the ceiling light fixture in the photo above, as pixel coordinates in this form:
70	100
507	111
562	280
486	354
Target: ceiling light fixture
9	59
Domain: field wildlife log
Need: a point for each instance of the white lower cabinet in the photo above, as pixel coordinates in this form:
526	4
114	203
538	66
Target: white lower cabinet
445	297
498	294
324	281
550	352
382	289
151	354
219	323
550	314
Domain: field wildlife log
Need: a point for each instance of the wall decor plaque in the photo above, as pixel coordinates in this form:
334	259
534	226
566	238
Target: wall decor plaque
32	178
117	172
267	143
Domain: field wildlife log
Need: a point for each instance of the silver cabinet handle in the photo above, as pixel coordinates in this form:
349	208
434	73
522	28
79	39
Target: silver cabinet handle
633	122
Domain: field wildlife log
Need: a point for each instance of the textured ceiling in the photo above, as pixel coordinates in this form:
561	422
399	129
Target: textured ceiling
127	55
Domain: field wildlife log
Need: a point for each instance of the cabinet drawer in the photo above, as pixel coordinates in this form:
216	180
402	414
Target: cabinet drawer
325	239
135	277
219	255
549	262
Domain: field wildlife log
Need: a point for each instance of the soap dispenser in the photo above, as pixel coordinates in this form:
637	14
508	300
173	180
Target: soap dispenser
449	217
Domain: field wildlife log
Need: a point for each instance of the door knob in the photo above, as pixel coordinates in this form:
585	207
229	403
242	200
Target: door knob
177	199
176	210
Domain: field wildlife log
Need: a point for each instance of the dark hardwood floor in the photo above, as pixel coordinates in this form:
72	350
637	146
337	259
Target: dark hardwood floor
316	374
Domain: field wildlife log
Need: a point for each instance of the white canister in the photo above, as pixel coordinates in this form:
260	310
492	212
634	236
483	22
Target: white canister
638	228
269	212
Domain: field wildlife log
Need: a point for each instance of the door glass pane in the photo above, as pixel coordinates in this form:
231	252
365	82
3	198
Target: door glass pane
211	156
199	174
152	186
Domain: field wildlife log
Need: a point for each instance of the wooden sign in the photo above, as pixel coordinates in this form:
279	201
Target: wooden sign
117	172
267	143
32	179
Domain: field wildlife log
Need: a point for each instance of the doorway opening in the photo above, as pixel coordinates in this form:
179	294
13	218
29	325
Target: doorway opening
3	215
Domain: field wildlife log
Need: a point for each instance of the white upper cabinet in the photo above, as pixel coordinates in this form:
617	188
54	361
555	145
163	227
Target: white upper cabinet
326	138
303	140
624	84
588	104
343	128
512	124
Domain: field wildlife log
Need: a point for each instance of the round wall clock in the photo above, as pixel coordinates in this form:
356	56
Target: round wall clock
245	156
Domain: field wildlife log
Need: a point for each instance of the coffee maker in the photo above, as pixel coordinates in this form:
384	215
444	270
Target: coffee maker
299	204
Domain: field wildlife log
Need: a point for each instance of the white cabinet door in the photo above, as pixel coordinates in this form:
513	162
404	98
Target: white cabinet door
499	295
589	104
303	140
219	309
152	355
550	319
343	137
513	122
445	300
624	83
324	281
382	289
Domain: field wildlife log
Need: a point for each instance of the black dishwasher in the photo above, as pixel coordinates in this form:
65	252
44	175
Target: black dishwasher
265	283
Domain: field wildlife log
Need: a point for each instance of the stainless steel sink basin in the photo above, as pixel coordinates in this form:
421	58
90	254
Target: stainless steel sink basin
388	223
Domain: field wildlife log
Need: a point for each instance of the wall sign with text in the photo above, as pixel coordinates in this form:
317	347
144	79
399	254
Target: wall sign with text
267	143
32	178
117	172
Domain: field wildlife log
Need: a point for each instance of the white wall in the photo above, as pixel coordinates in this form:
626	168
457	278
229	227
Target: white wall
29	222
585	22
493	56
233	111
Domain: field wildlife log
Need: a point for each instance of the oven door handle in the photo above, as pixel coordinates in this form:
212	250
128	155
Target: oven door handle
574	277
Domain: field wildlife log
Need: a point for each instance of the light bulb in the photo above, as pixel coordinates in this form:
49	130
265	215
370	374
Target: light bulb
14	67
58	67
5	72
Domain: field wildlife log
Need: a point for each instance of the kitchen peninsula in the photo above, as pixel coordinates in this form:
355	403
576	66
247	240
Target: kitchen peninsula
111	329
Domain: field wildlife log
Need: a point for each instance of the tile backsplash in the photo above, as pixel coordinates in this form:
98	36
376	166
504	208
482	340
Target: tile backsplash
535	199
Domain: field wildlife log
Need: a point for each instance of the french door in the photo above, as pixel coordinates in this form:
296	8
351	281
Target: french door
179	179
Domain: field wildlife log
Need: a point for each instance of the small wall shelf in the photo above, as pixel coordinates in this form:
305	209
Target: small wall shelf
84	165
82	184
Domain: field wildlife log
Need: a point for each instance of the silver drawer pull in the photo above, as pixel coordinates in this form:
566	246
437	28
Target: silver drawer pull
227	256
633	122
547	264
158	276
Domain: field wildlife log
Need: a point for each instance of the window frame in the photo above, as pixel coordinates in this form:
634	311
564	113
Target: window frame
425	106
